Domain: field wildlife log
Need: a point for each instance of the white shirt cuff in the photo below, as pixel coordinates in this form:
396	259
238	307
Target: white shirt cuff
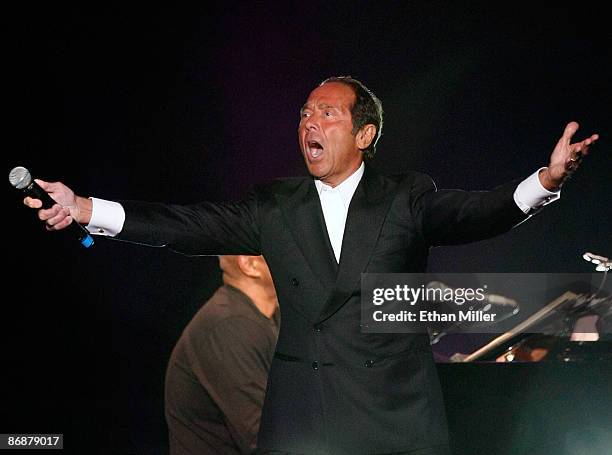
107	217
530	195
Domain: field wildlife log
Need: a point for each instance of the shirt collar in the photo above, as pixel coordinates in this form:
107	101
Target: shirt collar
346	188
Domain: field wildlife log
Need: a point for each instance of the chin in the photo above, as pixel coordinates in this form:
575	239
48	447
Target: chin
316	173
314	170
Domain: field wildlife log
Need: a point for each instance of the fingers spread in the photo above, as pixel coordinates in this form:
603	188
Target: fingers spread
585	148
584	145
588	142
570	130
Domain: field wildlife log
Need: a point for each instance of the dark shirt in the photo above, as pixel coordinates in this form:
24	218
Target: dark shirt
217	374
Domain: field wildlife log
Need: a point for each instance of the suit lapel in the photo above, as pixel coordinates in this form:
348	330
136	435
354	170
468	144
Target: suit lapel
366	214
302	213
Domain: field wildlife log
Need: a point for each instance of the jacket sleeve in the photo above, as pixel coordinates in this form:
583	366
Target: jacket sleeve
200	229
450	217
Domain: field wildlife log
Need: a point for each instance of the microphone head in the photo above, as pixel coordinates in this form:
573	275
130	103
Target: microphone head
20	177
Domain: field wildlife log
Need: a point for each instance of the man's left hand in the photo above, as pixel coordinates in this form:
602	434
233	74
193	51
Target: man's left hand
565	158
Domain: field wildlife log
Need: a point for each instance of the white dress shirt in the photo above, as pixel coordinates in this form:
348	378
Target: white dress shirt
335	203
107	217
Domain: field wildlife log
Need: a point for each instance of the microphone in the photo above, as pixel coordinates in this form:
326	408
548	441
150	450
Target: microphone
489	299
602	263
21	179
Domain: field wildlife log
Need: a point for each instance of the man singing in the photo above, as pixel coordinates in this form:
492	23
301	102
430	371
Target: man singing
331	388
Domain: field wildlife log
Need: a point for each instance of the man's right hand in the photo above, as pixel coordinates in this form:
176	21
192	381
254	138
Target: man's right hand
69	206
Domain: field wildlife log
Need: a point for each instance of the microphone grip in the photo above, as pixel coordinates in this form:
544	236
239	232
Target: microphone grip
35	191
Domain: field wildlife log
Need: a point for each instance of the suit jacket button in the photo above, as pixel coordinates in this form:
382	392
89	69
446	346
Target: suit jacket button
317	328
369	363
295	282
315	365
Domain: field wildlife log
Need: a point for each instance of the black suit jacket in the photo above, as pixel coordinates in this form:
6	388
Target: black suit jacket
331	388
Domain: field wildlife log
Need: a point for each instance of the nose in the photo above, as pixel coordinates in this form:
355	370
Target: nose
311	123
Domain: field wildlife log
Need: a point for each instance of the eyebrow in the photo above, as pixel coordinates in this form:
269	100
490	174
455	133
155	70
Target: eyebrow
321	106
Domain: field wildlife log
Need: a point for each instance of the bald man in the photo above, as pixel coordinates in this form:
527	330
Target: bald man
217	373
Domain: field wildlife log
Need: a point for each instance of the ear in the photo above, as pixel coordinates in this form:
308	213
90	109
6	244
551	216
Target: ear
365	136
248	266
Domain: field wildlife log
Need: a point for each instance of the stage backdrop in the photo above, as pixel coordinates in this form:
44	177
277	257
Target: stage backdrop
180	106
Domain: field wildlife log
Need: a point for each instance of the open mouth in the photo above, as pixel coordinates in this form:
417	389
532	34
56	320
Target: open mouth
314	148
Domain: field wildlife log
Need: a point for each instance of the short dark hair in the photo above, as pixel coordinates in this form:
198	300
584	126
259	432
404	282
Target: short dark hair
367	109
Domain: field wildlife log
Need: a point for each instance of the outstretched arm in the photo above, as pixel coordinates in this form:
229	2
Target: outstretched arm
204	228
452	217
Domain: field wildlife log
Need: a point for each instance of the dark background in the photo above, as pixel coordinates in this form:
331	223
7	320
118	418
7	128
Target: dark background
181	105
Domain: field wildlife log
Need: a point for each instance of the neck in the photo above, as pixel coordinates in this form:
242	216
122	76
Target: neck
262	297
336	180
